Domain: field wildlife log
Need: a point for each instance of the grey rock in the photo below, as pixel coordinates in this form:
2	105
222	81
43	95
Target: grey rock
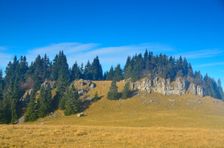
180	86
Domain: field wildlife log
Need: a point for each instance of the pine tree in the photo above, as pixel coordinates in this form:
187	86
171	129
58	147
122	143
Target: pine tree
22	68
13	90
1	86
44	101
198	79
76	72
118	73
5	111
2	112
60	68
62	103
113	92
72	102
88	71
126	91
220	89
60	73
110	75
97	72
39	71
128	68
14	113
31	113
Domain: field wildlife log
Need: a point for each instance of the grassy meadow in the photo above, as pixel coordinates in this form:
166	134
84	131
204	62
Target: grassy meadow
142	121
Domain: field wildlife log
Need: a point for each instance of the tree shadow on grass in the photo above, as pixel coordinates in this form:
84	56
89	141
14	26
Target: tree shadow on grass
87	103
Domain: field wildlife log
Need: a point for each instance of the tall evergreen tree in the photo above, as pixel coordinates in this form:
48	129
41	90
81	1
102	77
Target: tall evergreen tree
1	86
97	72
2	113
39	71
88	71
128	68
13	90
44	101
113	92
60	73
76	72
118	73
220	90
126	91
110	75
31	113
72	102
60	68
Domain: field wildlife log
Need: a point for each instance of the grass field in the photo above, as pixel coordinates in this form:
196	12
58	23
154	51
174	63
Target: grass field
141	121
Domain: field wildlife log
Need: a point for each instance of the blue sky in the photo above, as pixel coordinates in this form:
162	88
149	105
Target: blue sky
114	29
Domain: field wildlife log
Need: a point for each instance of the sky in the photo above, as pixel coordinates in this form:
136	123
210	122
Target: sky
114	29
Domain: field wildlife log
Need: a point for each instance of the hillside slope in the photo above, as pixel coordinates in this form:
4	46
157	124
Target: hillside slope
142	121
146	110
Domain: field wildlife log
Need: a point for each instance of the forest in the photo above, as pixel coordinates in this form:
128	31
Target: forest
20	77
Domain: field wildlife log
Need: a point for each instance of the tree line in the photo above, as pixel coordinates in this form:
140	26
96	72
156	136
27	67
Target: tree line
168	67
19	77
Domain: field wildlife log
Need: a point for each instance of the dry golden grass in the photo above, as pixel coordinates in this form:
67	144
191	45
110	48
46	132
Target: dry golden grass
142	121
95	136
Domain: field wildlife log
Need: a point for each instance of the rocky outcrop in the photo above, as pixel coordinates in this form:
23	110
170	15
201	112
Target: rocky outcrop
46	83
179	86
83	86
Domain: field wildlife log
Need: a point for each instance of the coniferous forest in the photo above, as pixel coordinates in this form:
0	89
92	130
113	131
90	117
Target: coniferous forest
20	77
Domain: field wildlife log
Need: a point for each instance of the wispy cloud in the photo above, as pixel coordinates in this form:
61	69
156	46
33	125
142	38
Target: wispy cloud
199	54
81	52
69	48
210	64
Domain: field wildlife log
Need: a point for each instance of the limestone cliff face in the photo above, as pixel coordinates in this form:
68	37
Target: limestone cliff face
180	86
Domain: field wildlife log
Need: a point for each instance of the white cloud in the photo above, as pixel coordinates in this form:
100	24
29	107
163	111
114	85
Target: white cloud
82	52
210	64
69	48
198	54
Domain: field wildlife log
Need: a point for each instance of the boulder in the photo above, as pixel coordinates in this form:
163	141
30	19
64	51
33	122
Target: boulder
80	114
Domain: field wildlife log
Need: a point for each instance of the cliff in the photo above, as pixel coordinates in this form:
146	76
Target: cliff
180	86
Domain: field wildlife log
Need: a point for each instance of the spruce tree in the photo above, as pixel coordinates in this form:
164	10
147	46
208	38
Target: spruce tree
88	71
31	113
1	86
220	90
14	112
110	75
113	91
60	73
72	102
118	73
60	68
2	112
76	72
44	101
13	90
39	71
128	68
97	72
126	91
